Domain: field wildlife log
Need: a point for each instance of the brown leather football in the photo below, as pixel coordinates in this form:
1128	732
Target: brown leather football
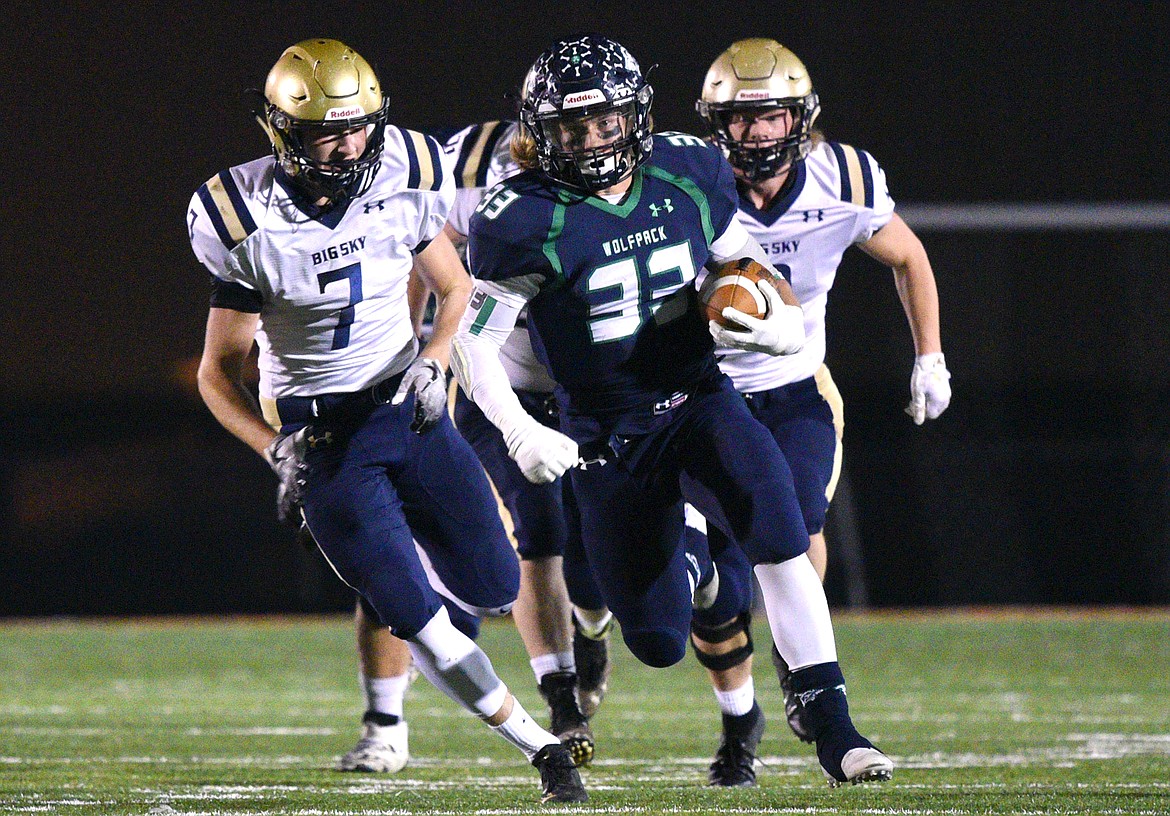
734	284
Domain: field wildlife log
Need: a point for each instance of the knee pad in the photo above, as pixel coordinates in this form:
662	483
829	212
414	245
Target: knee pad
656	647
720	634
457	667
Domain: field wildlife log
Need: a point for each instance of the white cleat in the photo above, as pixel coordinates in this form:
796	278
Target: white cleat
864	765
381	749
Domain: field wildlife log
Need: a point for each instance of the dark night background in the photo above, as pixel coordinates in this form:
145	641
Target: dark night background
1047	481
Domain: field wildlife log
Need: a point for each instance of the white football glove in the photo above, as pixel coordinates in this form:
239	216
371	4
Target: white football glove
426	378
930	388
286	456
781	331
542	453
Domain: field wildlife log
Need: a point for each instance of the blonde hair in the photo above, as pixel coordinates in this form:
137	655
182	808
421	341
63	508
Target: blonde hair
523	149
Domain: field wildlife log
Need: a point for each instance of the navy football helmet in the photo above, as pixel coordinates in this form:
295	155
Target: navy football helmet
586	106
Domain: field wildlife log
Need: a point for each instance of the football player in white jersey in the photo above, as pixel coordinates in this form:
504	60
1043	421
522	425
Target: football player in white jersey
806	200
310	250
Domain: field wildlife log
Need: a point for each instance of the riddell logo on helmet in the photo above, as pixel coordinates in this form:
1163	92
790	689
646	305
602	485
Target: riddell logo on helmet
747	95
582	98
342	113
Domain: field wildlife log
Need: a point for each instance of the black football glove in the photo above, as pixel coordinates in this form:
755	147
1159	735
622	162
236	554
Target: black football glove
286	456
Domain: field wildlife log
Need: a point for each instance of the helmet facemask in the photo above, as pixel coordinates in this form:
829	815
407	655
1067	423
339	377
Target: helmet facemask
336	180
759	159
596	147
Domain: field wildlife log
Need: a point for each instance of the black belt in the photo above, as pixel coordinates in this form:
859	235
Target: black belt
302	410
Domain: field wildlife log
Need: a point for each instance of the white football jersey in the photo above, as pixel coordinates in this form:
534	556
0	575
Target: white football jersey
332	289
479	157
838	198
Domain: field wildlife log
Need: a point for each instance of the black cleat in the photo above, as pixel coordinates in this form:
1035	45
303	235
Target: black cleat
793	710
567	722
734	765
591	654
559	779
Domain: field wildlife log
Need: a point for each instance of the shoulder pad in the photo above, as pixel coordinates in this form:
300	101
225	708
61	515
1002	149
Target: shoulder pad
226	208
475	154
425	168
856	174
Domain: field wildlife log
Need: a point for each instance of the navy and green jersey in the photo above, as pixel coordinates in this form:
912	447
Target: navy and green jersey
610	286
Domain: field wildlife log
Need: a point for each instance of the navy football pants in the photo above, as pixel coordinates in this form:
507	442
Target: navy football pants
801	422
544	516
714	454
376	487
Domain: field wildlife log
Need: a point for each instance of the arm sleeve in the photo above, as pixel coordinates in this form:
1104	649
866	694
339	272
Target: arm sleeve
745	246
489	320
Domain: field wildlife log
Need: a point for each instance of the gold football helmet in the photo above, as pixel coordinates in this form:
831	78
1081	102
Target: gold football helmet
324	84
754	76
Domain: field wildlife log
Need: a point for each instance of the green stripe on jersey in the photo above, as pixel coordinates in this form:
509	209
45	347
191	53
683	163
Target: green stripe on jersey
554	232
692	190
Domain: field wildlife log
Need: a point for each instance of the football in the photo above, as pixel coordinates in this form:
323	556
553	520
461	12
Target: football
734	284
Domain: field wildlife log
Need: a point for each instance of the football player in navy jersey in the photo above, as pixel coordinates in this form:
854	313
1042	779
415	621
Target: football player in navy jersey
759	104
310	250
601	239
543	529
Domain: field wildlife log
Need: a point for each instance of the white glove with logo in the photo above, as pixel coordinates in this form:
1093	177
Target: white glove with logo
542	453
426	378
930	388
781	331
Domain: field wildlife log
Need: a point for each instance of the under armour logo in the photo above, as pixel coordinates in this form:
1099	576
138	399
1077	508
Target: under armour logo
665	206
380	204
809	215
317	441
583	464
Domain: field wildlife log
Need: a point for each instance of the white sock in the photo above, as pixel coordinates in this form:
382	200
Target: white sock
592	621
385	694
737	701
798	612
552	662
523	732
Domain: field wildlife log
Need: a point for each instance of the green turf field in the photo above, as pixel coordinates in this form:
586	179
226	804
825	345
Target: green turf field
1009	714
